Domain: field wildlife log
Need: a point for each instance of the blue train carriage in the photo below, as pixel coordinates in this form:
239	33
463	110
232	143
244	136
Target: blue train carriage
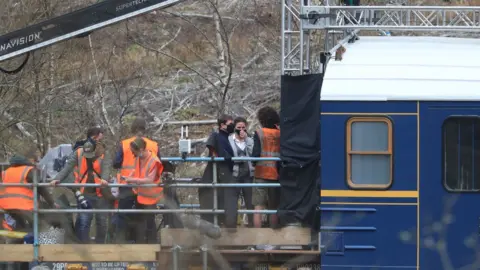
400	141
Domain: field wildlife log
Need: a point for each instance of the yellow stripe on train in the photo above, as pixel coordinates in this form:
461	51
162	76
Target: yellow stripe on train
370	193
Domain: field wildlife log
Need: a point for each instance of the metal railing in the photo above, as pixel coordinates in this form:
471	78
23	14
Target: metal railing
215	184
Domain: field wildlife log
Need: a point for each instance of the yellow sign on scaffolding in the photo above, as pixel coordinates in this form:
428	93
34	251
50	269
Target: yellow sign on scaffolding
12	234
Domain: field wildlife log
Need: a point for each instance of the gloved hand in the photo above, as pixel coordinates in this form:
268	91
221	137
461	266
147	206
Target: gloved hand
82	201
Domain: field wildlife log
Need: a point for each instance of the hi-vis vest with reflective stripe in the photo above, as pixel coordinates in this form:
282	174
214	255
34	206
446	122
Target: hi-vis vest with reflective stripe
128	163
149	195
270	139
80	171
16	198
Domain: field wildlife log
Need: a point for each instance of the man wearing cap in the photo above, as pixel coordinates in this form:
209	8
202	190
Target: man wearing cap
94	133
89	166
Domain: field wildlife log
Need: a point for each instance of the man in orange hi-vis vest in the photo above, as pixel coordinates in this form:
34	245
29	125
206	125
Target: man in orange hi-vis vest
18	201
148	170
125	164
266	144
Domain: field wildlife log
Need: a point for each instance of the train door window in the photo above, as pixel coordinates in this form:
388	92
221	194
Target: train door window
369	152
461	153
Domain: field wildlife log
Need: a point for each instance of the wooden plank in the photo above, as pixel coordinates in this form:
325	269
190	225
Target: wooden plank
16	253
246	251
243	237
99	253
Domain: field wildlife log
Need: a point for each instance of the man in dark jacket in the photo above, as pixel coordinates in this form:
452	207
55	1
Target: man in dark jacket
218	145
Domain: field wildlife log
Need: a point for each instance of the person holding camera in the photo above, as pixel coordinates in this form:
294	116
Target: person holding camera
89	165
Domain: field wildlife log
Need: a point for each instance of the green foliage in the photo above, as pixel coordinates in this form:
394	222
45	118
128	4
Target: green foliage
276	105
187	114
128	119
183	79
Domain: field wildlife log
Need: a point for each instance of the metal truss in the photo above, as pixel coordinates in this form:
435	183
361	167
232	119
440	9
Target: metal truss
408	18
340	24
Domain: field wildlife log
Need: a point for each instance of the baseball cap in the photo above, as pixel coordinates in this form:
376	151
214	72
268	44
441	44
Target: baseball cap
88	150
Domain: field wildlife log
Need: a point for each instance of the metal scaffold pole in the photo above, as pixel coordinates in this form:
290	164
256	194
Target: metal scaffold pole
35	219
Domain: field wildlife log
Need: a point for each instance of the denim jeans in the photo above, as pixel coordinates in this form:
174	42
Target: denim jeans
84	221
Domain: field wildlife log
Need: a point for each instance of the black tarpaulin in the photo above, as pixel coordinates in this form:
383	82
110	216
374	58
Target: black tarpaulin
299	195
300	119
300	149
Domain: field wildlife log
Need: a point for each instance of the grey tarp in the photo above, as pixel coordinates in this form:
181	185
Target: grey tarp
48	161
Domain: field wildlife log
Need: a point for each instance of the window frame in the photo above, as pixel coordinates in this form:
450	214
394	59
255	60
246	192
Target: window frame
443	149
349	152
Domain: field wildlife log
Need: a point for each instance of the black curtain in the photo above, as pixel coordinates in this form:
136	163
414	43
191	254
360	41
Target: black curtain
300	149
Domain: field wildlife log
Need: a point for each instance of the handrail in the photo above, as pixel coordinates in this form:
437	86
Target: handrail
152	211
183	185
213	185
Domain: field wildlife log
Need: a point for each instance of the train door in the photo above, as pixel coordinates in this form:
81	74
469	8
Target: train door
449	186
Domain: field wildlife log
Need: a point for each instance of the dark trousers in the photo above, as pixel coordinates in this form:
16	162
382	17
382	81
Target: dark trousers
146	228
226	196
244	177
125	223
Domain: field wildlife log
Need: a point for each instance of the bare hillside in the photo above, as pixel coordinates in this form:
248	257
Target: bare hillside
187	62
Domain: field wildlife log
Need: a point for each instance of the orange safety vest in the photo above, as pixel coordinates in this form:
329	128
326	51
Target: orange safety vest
149	195
80	171
16	198
128	164
270	143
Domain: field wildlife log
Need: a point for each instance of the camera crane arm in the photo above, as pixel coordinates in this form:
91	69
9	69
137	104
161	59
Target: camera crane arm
79	23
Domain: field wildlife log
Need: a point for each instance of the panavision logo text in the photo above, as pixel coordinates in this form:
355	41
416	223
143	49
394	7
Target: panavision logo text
29	39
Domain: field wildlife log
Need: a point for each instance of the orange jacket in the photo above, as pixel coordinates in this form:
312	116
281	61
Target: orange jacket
128	164
149	195
16	198
80	171
270	144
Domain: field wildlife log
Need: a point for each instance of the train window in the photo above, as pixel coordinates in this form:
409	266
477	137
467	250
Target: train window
369	152
461	153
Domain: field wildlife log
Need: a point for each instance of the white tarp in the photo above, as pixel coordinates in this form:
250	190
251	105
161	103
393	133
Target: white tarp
48	161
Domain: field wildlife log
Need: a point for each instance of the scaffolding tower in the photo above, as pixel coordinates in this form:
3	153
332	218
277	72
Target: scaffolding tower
341	24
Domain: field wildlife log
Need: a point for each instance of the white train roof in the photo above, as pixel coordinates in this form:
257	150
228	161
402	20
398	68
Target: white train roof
405	68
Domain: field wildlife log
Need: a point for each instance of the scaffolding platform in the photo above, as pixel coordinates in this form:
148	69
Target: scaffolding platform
293	245
292	240
243	237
